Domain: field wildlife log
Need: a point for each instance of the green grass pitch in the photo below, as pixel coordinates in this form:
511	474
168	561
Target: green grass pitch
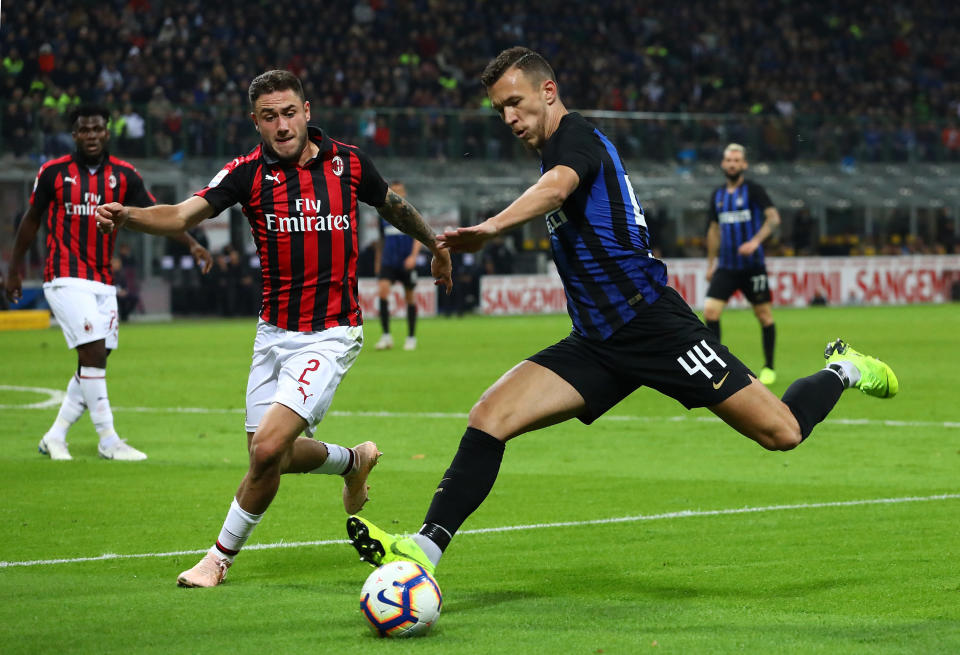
816	568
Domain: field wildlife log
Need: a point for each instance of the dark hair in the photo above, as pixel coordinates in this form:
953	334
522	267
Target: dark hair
273	81
533	65
87	111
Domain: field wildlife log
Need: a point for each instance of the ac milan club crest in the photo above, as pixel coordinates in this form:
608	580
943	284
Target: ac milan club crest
337	164
112	181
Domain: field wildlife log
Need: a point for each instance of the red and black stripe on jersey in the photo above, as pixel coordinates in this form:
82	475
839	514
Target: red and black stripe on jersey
67	193
304	224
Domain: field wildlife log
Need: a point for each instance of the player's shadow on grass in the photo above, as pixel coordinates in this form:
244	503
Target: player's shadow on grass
485	599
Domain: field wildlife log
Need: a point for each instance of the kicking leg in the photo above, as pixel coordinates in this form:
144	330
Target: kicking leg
527	397
782	424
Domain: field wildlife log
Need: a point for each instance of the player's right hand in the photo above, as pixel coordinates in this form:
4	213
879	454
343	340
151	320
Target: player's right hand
111	216
467	239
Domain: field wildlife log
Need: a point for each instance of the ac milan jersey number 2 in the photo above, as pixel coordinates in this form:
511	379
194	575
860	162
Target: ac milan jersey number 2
304	223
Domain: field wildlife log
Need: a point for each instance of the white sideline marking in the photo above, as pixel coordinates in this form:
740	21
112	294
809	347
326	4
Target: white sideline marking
687	513
56	397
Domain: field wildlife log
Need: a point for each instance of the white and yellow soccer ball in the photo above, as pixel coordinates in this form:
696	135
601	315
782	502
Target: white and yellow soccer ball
401	599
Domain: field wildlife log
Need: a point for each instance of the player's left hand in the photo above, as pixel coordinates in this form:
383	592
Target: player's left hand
467	239
13	285
442	269
747	248
203	257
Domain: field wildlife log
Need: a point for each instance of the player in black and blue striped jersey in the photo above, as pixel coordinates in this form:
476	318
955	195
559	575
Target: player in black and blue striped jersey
396	261
629	328
741	217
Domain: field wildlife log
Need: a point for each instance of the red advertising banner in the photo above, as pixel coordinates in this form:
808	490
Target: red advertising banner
794	281
425	295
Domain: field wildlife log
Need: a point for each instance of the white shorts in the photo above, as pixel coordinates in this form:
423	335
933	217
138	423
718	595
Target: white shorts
300	370
86	310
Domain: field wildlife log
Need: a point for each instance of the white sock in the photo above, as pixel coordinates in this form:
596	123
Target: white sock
71	409
93	384
236	528
850	373
431	549
340	460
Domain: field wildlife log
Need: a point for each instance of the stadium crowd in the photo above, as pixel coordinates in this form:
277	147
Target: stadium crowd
879	81
177	71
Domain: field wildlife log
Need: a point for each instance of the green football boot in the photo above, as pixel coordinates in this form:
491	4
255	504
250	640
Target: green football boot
767	376
379	547
876	378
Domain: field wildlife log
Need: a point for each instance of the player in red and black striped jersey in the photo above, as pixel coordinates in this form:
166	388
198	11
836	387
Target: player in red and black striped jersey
78	281
299	190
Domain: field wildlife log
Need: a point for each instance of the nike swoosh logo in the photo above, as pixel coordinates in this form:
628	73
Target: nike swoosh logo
717	385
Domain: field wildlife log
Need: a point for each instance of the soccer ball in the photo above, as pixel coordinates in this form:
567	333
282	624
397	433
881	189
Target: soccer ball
400	599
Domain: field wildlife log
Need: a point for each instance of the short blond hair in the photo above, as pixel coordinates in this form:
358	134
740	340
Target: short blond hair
735	147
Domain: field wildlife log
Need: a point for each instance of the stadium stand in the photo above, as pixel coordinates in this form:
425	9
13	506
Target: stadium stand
877	82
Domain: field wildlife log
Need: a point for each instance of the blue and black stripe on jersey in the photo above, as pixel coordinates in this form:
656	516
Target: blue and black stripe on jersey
740	216
599	237
397	246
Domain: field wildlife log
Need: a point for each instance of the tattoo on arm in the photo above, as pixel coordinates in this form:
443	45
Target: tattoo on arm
405	217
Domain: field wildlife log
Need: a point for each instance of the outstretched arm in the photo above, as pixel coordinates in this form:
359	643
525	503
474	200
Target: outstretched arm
547	195
405	217
163	220
26	233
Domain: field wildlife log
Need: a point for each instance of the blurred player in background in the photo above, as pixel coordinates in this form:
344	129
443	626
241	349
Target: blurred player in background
629	328
299	190
741	218
78	278
396	261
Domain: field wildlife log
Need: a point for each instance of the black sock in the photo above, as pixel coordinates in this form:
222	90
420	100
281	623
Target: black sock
714	326
464	486
411	319
769	339
385	315
811	398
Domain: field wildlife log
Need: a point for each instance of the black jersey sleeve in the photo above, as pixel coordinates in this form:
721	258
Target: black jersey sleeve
576	147
137	194
372	189
228	187
43	189
712	215
759	197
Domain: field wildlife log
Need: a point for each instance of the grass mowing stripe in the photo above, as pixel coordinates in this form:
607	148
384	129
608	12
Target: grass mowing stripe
687	513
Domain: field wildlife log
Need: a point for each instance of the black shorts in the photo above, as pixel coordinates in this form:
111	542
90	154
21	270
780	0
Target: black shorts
666	348
752	282
399	274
